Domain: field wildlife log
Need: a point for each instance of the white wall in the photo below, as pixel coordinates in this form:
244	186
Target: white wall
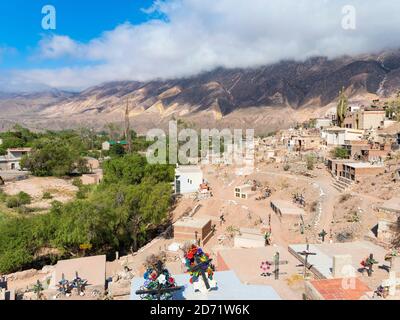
190	181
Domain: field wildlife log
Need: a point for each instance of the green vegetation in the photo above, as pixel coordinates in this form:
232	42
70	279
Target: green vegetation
342	108
54	157
122	213
18	200
310	161
47	196
340	153
392	108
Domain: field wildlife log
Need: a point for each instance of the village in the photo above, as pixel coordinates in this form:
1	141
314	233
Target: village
316	219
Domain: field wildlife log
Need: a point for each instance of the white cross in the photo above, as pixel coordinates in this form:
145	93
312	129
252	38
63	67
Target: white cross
392	283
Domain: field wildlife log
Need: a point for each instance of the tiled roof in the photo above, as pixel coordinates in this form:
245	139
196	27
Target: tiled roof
341	289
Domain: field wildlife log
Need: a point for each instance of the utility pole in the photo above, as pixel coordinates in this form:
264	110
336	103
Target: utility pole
128	136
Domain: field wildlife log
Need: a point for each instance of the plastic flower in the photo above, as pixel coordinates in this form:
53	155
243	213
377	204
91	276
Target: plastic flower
162	279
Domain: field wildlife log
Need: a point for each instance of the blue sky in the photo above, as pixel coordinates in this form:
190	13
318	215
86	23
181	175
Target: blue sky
82	20
98	41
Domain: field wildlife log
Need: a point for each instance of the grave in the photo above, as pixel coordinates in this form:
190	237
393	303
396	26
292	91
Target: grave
337	289
322	264
197	229
93	269
392	283
249	238
6	294
341	266
246	263
229	288
286	211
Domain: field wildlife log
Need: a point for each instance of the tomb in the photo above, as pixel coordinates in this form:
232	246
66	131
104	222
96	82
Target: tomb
392	283
337	289
330	256
93	269
5	293
342	266
244	192
229	288
197	229
249	238
286	211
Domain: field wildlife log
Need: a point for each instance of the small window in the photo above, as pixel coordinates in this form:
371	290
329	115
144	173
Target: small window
237	195
243	196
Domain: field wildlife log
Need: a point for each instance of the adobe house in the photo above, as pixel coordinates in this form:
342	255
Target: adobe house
92	178
357	170
369	118
193	229
367	151
336	136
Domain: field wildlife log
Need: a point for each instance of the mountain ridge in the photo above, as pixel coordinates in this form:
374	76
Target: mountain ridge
221	94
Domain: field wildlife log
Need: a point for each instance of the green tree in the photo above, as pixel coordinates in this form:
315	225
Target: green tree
341	108
340	153
54	157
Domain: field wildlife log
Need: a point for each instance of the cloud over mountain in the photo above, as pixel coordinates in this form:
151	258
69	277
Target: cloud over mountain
187	37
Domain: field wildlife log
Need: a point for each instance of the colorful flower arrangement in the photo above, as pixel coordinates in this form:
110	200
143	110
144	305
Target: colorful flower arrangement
195	256
155	280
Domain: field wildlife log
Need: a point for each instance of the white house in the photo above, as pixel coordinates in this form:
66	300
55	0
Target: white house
11	161
337	136
188	179
323	123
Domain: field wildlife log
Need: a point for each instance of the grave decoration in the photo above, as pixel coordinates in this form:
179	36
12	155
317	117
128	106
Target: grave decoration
368	263
266	269
158	284
64	287
267	237
79	284
38	290
200	269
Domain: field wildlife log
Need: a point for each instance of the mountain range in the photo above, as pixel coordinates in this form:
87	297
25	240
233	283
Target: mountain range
264	98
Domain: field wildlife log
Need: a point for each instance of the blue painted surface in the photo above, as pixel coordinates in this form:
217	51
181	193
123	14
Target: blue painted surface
229	288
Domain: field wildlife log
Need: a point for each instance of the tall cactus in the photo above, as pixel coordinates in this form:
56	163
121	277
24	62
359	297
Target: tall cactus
341	108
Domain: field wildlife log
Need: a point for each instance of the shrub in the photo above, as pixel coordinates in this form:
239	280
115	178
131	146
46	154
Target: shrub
18	200
286	167
47	196
310	160
340	153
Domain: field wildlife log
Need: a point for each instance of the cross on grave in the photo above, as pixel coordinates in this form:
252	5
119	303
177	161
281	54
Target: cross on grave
159	291
277	263
368	264
392	283
79	284
38	289
322	235
200	267
302	225
64	285
306	253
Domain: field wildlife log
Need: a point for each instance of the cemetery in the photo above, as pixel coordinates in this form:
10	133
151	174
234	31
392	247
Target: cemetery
310	226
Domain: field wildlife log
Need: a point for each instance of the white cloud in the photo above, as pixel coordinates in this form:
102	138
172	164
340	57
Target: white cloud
199	35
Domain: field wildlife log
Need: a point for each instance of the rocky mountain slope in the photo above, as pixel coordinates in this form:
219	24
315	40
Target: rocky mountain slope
277	95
